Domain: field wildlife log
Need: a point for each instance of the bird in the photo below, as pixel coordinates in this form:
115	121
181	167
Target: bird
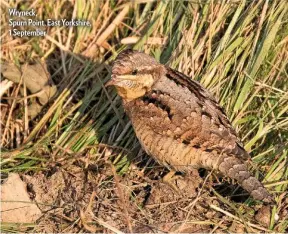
178	122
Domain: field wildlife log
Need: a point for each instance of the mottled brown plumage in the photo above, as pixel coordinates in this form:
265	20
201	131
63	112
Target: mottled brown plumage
178	122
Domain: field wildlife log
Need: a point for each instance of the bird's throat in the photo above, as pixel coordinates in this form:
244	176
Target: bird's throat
130	94
132	87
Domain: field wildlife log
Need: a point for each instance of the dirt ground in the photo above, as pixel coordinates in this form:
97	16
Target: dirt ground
87	196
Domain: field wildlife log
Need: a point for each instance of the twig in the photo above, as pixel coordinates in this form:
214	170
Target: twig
191	205
238	219
150	40
121	197
12	108
108	226
99	221
113	25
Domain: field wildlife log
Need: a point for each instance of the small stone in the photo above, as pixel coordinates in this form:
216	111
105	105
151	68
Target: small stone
263	215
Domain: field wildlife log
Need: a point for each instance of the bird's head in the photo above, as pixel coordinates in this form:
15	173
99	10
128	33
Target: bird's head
134	73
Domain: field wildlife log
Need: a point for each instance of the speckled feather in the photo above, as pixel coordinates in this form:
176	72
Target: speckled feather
180	124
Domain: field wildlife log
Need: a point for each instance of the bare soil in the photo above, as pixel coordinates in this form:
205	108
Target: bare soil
85	196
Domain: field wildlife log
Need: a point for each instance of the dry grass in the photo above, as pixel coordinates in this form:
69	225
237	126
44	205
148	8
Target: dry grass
237	49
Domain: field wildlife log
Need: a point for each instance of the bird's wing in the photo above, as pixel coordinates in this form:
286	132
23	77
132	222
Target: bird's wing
181	108
215	122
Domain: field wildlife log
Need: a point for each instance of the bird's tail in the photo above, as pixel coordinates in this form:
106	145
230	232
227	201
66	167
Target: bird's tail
236	169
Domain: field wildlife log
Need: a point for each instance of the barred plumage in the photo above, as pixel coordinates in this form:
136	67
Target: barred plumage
178	122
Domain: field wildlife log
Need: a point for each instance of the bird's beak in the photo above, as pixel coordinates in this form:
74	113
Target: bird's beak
118	80
111	82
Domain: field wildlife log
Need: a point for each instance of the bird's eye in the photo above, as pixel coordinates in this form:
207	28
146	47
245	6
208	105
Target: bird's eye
134	72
